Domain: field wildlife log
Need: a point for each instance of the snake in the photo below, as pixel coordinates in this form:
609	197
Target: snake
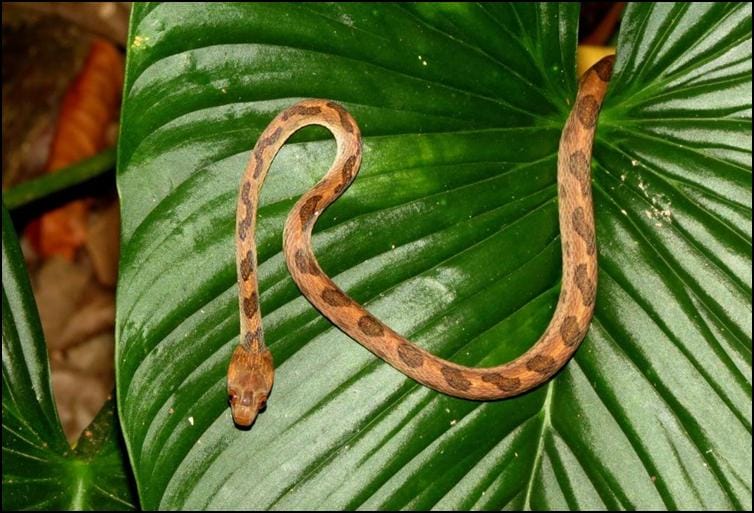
251	371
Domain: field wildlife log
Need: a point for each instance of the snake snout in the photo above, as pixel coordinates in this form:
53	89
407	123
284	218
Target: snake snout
243	407
244	416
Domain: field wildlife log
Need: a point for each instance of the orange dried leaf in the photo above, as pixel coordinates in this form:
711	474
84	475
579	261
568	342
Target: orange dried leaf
89	106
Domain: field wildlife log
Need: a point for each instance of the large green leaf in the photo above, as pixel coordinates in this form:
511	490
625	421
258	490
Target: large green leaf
40	470
449	235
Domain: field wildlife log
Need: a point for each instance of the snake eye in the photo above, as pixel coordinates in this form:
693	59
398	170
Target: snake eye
262	402
232	396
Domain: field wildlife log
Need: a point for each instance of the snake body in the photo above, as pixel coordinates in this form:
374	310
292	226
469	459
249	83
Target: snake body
250	373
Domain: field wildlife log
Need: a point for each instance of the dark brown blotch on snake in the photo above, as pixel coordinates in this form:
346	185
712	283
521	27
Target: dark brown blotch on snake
410	355
570	331
250	305
578	166
247	265
348	168
586	110
455	378
245	199
343	115
308	209
371	326
501	382
269	140
334	297
304	264
585	231
346	174
258	164
301	110
257	154
541	364
604	69
585	285
252	337
244	225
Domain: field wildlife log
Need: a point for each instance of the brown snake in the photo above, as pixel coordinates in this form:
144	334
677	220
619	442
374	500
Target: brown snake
251	370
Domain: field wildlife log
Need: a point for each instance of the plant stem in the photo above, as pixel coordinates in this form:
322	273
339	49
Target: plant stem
32	190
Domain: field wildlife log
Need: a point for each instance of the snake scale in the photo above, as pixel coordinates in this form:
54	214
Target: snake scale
251	371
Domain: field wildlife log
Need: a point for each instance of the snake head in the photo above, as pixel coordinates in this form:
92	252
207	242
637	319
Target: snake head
250	377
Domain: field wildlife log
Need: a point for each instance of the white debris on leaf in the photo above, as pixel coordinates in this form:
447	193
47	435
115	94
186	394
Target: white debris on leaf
660	210
139	42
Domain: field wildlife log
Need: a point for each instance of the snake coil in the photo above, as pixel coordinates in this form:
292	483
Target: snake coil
251	371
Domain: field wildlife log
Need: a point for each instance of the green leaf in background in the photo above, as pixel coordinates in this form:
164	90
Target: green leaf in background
449	235
40	470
